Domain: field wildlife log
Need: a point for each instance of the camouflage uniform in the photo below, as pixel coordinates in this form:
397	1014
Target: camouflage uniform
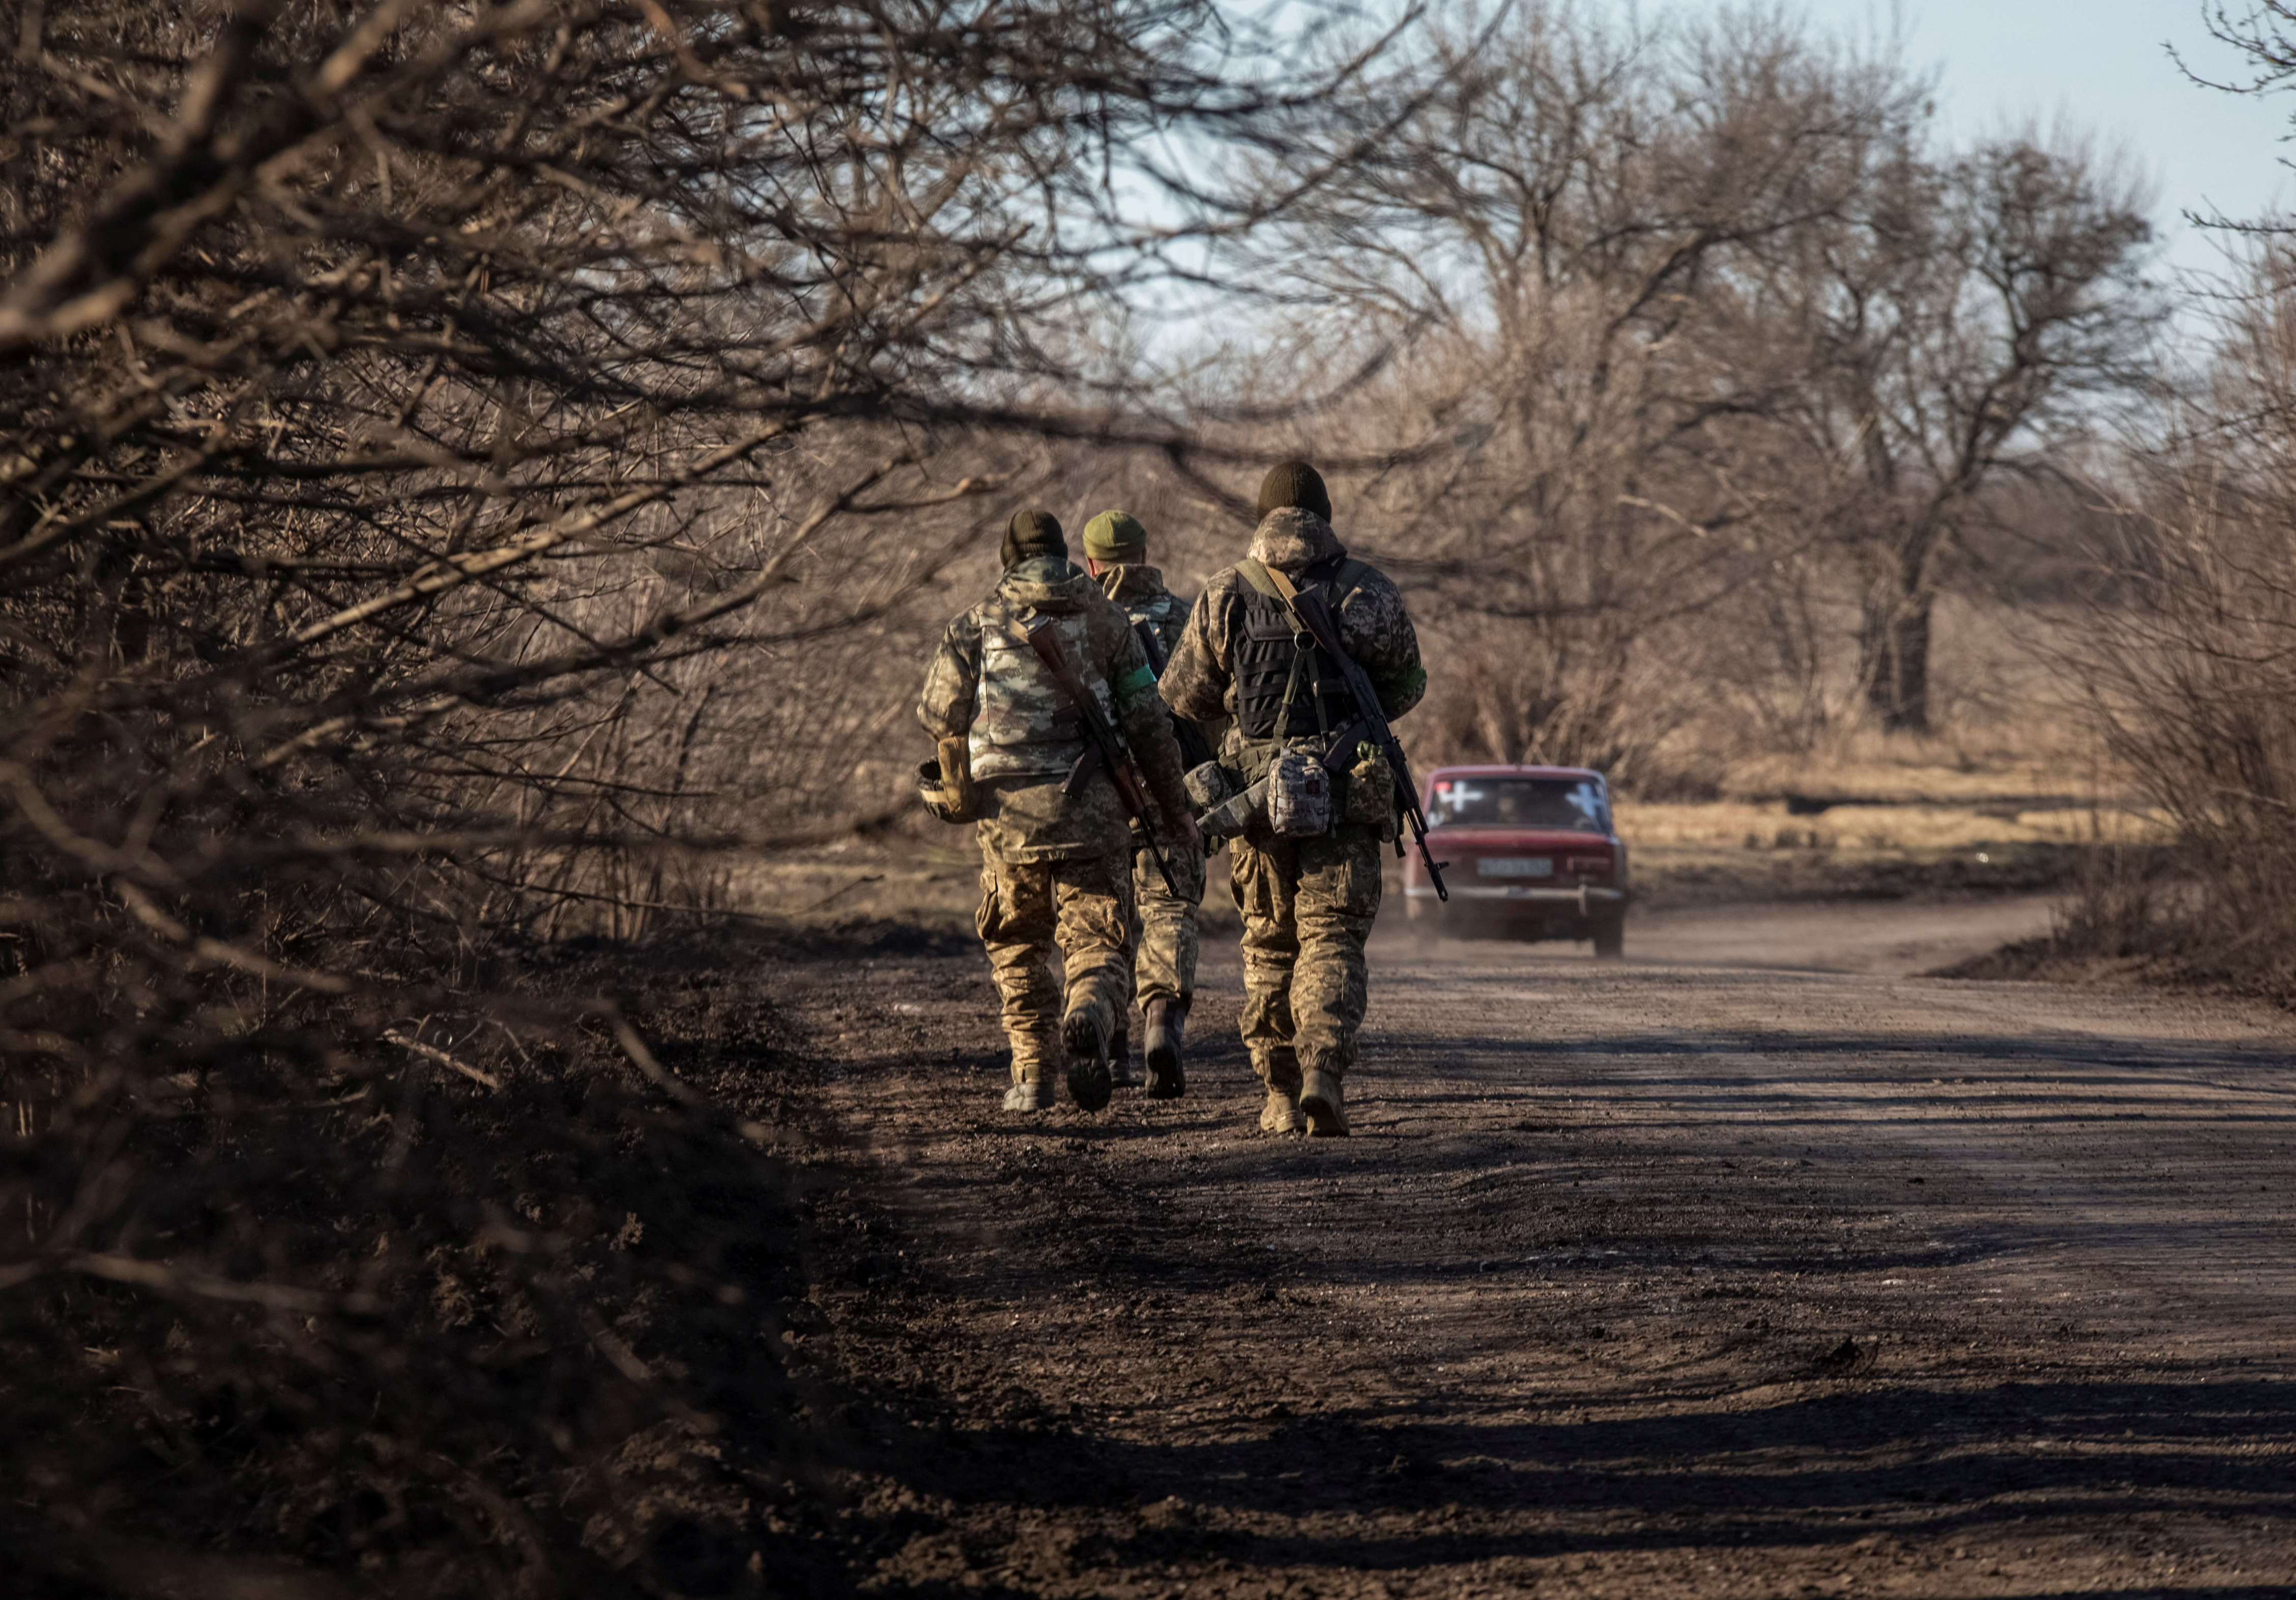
1163	924
1307	904
1053	866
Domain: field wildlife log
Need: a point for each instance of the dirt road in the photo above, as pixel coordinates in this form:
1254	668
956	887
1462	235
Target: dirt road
1894	938
1659	1278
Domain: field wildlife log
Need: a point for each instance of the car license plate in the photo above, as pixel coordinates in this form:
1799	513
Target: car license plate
1515	867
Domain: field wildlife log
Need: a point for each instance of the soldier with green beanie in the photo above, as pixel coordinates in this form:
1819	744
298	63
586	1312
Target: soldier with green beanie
1055	871
1163	924
1308	896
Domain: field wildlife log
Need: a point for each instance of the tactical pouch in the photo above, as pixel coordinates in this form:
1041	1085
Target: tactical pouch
1370	787
1247	762
1207	785
1298	795
1240	776
1244	812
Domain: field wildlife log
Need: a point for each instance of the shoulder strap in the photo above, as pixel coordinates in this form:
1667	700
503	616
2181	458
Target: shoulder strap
1271	581
1268	580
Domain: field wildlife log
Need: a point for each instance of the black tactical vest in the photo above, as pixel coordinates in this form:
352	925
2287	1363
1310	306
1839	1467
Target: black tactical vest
1267	653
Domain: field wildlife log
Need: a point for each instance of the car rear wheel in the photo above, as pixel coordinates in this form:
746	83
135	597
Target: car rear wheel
1610	936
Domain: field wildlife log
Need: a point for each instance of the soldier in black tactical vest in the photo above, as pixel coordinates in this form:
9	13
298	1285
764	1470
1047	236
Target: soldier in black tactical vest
1018	760
1306	874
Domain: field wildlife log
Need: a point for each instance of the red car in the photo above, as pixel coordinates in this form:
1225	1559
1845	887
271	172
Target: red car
1532	855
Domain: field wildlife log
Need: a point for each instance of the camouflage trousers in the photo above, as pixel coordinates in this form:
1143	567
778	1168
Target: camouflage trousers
1080	910
1164	927
1307	907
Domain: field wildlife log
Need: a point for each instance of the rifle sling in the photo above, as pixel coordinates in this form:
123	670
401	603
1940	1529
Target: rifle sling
1085	714
1094	726
1272	582
1151	645
1268	580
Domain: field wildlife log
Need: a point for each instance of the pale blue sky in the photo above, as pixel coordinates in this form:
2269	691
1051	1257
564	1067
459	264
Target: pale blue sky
2096	66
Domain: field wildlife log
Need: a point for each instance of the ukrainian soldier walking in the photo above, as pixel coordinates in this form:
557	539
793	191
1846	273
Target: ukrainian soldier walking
1306	868
1049	780
1163	922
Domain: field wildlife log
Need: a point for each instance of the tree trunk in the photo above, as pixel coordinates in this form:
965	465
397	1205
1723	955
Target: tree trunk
1894	651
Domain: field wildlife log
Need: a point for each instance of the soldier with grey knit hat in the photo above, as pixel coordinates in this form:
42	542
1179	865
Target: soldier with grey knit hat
1307	902
1056	848
1163	922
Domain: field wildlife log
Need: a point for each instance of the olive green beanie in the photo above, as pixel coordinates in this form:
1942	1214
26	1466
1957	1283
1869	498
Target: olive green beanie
1294	483
1032	532
1115	536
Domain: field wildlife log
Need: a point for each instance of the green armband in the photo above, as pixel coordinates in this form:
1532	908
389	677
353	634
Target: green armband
1139	681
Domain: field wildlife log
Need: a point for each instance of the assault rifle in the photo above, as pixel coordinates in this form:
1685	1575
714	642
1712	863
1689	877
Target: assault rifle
1314	619
1196	749
1106	743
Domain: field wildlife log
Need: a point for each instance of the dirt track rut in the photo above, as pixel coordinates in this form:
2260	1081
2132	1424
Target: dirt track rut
1633	1280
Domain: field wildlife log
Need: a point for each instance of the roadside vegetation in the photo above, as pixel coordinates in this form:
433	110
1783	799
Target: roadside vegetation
477	483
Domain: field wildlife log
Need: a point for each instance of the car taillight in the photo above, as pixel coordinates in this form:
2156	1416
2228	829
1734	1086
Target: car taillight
1588	867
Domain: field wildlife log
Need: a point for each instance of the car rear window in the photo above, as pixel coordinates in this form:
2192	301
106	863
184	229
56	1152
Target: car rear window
1574	803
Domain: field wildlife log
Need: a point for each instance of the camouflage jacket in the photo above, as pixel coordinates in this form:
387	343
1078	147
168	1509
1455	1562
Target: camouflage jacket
1200	681
1139	592
1024	737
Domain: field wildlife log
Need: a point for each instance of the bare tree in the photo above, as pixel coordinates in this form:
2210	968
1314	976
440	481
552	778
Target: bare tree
454	456
1575	249
2185	654
1697	343
1971	333
2184	650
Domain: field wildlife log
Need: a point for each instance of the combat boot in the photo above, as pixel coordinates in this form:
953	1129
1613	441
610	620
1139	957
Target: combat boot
1167	1078
1280	1114
1029	1095
1321	1103
1088	1081
1121	1073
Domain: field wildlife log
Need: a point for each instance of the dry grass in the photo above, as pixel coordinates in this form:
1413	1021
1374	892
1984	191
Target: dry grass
929	883
1909	831
2011	726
